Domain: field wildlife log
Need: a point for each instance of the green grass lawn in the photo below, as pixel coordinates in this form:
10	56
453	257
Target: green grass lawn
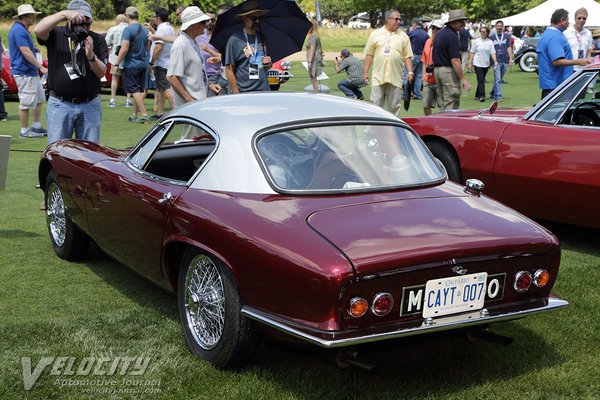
98	308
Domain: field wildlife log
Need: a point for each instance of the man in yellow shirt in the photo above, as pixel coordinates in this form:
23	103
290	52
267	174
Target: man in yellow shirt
387	49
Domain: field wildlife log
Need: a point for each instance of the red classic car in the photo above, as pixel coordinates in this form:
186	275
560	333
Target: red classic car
8	84
317	216
544	162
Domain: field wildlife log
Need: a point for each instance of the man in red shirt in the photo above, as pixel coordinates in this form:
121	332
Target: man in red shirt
430	97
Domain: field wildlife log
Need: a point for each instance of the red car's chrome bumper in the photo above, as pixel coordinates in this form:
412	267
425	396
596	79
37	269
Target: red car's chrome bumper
333	339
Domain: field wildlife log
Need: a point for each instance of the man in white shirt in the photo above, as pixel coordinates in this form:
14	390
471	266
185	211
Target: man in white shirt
579	37
159	61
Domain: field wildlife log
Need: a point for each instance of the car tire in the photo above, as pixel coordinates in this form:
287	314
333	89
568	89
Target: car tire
448	158
69	242
528	62
210	309
274	88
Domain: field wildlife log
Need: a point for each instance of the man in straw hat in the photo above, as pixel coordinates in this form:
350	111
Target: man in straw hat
448	71
185	72
74	104
246	59
25	68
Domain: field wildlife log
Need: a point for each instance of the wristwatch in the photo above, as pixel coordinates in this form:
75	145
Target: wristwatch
92	59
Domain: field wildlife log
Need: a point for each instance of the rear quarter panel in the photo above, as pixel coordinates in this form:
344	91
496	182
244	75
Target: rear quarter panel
475	141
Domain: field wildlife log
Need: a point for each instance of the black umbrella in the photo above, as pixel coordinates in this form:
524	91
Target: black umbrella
408	90
283	27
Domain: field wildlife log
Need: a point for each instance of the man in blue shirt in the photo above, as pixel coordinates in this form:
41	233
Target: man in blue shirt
134	55
504	55
555	59
417	37
25	67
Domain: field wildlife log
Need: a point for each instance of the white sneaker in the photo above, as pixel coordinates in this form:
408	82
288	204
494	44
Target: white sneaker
128	103
112	103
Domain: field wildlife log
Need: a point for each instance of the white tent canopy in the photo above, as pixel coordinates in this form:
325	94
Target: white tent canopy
540	15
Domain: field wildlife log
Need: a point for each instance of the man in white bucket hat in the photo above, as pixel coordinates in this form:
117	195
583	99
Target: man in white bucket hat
26	68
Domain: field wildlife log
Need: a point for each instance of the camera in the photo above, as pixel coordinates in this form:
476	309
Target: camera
429	69
77	33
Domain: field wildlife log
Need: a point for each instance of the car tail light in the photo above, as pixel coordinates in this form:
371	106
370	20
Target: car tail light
357	307
382	304
523	281
541	278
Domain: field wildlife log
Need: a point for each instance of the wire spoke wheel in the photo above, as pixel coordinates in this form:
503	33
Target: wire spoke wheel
204	302
55	214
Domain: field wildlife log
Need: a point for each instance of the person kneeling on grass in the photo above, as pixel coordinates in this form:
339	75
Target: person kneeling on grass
354	69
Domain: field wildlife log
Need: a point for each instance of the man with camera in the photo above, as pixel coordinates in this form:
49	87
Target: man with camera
354	69
76	61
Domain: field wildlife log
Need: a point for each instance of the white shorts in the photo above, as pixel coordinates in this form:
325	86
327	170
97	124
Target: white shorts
31	91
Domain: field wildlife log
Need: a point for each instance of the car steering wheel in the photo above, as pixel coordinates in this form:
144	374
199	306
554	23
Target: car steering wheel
290	156
593	120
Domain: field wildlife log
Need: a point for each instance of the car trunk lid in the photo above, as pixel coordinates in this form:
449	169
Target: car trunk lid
384	235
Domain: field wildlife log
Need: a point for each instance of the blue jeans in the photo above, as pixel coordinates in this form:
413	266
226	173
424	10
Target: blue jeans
418	77
350	89
64	118
499	71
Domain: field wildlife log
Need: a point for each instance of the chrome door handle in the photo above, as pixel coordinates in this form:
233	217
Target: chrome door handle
166	198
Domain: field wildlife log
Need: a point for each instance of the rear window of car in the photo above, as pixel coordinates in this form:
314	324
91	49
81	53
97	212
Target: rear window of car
347	158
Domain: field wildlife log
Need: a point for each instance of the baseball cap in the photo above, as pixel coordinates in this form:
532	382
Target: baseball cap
345	53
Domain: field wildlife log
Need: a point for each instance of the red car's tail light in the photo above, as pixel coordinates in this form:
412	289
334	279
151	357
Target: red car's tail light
523	281
357	307
541	278
382	304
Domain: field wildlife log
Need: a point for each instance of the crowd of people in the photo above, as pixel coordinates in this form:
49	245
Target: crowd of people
432	59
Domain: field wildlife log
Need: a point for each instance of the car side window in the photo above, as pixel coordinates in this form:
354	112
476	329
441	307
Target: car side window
585	110
561	110
177	154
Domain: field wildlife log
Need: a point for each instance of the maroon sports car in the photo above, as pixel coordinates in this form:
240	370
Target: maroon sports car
544	162
323	218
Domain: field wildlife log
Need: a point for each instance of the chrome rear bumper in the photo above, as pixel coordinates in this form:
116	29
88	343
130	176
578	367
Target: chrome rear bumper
333	339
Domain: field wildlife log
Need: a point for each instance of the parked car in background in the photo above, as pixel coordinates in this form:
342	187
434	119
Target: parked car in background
279	73
359	21
319	217
526	56
544	162
9	86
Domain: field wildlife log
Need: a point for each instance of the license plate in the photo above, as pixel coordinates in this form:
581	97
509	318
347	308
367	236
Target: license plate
454	294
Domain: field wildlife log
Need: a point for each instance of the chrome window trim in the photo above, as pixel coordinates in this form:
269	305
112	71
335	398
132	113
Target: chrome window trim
169	124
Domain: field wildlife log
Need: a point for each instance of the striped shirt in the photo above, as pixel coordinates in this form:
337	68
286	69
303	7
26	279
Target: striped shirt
113	39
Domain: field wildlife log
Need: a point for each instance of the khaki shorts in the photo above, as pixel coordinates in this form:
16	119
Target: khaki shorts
114	70
31	91
430	97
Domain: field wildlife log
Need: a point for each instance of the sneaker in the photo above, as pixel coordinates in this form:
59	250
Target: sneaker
3	119
132	118
39	130
112	103
499	99
30	134
143	119
128	103
156	116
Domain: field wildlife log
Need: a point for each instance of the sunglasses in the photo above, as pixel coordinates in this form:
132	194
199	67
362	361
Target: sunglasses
395	19
582	18
254	18
211	20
